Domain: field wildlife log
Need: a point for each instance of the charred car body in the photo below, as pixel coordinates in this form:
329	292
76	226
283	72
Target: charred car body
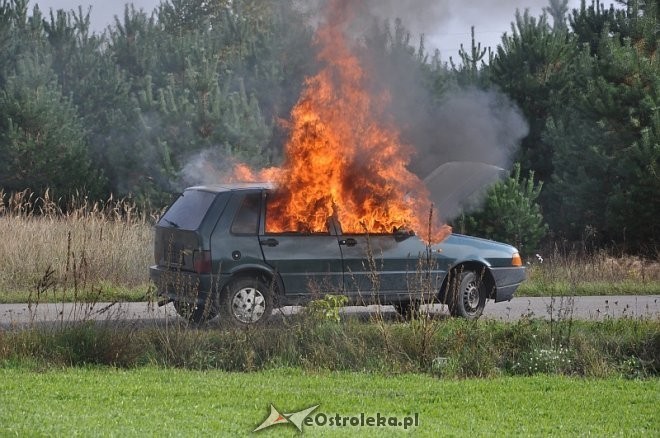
214	257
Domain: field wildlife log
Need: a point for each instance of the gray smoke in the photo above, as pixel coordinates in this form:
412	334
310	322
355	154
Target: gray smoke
444	23
480	127
464	145
471	125
468	124
208	167
461	124
425	16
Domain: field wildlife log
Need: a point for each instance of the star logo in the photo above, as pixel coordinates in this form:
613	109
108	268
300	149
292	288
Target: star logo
295	418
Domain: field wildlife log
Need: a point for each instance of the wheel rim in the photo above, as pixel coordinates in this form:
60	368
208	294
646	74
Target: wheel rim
248	305
471	297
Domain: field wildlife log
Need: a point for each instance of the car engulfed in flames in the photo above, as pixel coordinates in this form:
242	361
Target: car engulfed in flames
215	255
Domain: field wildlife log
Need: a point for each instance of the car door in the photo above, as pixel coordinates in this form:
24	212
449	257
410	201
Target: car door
308	263
387	266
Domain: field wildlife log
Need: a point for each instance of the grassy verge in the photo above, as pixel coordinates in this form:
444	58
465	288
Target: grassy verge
448	348
534	288
570	274
155	401
102	292
531	288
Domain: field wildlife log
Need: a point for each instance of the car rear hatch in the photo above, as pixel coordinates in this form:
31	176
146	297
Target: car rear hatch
179	242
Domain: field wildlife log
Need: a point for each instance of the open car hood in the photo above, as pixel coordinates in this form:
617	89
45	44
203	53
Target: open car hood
460	186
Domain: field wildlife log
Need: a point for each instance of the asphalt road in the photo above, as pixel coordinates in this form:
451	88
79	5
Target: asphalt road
583	308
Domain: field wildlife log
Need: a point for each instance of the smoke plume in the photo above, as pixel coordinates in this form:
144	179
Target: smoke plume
210	166
460	124
466	124
469	125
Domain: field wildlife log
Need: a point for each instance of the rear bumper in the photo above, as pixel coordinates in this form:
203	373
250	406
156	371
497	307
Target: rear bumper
183	286
507	281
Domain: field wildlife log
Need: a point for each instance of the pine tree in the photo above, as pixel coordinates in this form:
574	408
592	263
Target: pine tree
42	141
589	23
510	213
470	71
608	138
533	67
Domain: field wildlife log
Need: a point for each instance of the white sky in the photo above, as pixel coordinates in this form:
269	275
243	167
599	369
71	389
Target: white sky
491	18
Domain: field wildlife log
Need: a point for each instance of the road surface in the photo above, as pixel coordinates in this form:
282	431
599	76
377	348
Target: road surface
583	308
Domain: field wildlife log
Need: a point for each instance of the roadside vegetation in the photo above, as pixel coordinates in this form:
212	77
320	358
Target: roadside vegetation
136	377
573	272
73	249
438	345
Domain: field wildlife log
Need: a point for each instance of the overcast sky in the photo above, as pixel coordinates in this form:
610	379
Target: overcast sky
445	22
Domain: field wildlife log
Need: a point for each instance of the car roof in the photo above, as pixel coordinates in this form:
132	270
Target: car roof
234	186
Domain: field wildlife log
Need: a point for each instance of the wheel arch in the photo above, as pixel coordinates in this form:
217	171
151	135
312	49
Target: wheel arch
469	265
269	277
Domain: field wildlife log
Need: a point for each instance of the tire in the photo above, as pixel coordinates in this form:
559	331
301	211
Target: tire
194	313
246	301
467	294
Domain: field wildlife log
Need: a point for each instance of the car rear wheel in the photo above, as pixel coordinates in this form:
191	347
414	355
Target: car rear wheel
194	313
467	294
246	301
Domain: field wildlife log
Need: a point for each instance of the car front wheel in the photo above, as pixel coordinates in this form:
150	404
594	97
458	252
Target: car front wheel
246	301
467	295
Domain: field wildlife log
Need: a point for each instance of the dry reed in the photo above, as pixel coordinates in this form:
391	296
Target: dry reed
110	242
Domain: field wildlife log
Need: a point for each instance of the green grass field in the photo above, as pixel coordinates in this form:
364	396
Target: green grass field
158	401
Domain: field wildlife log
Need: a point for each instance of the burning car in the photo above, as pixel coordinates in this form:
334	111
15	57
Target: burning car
216	254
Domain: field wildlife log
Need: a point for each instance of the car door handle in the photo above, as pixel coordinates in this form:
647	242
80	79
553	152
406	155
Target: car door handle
269	242
348	242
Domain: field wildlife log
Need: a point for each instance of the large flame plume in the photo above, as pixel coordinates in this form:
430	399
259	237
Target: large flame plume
343	156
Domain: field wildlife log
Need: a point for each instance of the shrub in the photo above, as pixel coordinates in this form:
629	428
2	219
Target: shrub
327	308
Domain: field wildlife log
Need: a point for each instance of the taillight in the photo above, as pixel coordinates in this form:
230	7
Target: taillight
516	260
202	262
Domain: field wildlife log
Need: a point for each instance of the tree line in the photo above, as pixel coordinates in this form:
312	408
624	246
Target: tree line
123	110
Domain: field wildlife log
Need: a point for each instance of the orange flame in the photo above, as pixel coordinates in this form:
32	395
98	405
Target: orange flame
341	159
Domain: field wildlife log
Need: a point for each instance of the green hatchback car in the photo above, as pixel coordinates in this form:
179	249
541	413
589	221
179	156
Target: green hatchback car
214	257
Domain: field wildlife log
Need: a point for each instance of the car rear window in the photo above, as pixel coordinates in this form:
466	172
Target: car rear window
188	211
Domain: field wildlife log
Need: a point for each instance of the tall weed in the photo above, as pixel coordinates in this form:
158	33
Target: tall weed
110	242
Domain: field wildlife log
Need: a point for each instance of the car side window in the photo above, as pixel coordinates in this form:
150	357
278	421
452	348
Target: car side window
274	225
246	220
301	230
